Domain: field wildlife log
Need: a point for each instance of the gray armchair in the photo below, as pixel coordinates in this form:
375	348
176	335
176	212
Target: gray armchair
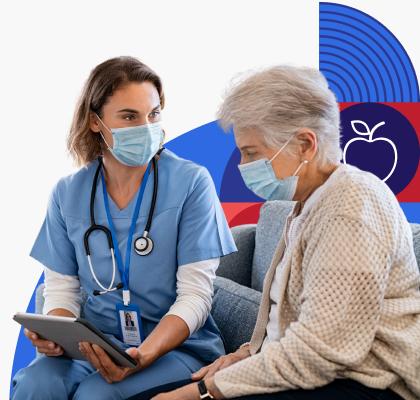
240	276
239	283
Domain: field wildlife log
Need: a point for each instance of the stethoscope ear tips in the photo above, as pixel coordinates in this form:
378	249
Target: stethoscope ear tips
143	246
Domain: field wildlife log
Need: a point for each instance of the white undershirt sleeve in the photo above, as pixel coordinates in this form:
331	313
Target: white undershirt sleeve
61	291
194	292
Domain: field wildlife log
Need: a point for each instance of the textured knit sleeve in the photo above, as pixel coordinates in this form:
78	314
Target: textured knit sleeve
345	270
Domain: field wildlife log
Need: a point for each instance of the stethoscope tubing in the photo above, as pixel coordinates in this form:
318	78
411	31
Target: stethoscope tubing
95	227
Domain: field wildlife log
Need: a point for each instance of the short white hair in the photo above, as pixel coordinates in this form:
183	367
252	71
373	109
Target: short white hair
281	100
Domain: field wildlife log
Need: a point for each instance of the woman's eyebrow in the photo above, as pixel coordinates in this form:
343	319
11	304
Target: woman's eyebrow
128	110
131	110
247	147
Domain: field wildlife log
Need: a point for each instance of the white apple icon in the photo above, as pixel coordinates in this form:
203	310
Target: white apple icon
370	139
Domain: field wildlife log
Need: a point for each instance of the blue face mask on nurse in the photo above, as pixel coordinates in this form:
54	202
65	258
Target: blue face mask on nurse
135	145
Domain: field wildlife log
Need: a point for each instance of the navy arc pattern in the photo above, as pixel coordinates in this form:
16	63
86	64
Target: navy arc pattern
361	58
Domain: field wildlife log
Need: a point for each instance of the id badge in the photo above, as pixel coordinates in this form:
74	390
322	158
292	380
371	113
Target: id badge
129	321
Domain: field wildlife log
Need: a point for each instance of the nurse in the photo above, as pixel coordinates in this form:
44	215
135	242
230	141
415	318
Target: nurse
148	269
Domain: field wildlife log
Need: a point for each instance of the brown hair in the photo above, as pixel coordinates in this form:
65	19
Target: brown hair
83	145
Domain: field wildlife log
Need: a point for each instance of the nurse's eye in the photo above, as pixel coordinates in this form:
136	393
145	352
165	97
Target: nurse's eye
129	117
154	114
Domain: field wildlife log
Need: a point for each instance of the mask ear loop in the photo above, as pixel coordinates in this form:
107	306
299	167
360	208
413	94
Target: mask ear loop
103	138
107	145
281	148
304	162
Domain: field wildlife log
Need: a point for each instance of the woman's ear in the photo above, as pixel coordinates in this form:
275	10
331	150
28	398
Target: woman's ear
94	123
307	144
164	137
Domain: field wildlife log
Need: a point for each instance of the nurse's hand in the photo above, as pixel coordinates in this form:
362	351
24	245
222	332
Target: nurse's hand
46	347
110	371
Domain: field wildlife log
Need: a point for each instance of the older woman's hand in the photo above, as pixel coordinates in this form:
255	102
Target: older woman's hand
221	363
190	392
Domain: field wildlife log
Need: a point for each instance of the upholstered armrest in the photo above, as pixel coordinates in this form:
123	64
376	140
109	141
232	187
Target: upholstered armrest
238	266
235	310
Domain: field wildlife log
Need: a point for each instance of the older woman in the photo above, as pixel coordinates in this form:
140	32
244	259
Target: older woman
340	310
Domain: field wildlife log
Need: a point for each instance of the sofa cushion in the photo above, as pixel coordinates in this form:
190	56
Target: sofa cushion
269	229
235	310
238	266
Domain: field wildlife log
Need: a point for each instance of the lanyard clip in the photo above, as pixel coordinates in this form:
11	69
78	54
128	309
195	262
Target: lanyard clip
126	297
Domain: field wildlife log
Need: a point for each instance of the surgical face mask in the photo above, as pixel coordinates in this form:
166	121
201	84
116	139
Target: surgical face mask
135	145
260	178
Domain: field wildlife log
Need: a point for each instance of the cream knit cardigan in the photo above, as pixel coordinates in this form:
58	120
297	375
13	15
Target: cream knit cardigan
349	302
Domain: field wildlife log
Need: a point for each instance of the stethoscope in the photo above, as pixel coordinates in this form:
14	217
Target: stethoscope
143	245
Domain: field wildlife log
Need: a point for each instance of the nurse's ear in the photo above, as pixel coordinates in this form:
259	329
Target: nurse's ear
164	137
94	123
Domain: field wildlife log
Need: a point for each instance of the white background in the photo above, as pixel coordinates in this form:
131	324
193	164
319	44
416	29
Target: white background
48	49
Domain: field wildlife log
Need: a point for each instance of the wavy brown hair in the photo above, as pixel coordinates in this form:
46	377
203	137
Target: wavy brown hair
83	144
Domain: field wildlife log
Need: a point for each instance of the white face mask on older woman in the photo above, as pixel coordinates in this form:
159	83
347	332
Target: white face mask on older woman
261	179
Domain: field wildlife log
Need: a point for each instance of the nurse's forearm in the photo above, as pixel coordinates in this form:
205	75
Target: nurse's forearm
61	312
171	332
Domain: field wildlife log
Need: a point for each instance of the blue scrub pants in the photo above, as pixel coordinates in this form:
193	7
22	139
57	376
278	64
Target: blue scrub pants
60	378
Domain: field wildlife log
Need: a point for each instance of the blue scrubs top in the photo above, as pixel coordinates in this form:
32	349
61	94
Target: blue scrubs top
188	226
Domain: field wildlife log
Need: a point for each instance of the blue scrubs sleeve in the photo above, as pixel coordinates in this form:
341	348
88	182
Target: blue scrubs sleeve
52	247
203	230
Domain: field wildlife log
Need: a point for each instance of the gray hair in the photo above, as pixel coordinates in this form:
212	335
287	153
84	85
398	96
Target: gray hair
281	100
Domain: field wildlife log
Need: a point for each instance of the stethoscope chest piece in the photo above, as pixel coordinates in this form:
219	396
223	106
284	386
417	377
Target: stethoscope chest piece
143	245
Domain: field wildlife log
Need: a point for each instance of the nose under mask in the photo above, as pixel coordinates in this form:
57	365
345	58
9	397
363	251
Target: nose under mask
135	145
261	179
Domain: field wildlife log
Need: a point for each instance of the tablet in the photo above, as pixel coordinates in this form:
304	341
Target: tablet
68	332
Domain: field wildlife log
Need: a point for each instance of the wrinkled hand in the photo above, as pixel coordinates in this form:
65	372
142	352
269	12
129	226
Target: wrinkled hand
46	347
110	371
221	363
188	392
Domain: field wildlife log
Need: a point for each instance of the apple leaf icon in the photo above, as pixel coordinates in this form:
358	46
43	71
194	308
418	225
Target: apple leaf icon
367	132
364	130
